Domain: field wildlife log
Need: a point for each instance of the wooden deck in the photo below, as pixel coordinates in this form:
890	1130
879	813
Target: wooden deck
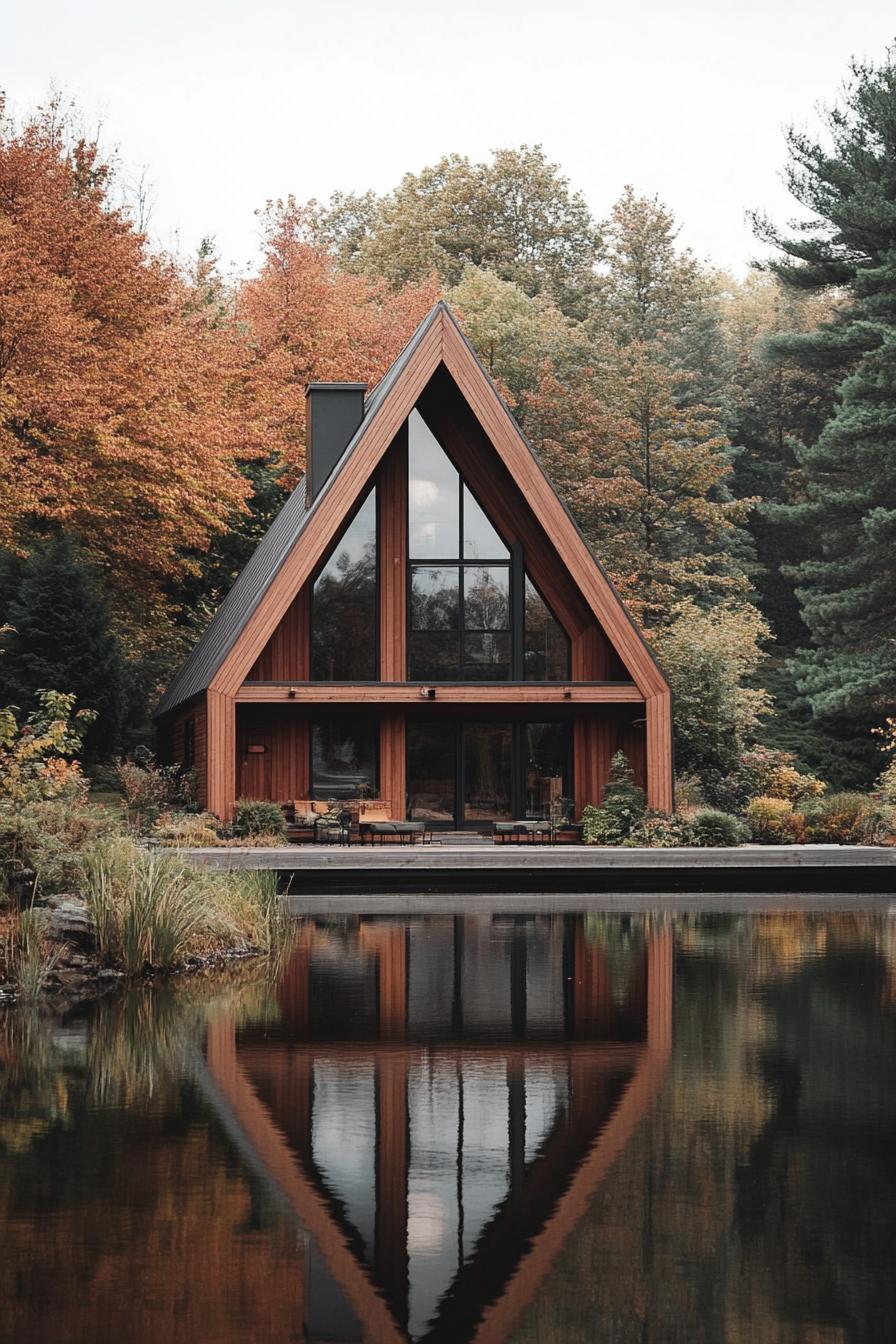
542	868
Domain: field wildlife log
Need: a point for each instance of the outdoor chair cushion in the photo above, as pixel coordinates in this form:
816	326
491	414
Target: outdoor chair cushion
369	815
310	807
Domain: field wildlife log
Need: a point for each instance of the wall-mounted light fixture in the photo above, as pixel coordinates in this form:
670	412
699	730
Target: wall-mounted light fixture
427	692
567	694
292	692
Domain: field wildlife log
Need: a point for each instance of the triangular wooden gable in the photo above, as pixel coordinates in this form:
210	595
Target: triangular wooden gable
440	342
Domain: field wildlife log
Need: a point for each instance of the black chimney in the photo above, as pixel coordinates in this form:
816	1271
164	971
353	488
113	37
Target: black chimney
334	412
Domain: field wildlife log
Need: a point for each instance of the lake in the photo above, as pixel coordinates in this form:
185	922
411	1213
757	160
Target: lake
596	1126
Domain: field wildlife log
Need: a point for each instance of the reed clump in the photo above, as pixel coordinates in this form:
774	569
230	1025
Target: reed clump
28	956
154	910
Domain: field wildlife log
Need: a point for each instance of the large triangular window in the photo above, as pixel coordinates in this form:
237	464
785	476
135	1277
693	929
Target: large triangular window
460	573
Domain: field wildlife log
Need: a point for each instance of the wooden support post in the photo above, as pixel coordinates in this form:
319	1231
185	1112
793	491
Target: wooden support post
660	793
221	754
393	766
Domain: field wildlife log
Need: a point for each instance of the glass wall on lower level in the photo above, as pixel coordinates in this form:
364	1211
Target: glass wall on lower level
470	772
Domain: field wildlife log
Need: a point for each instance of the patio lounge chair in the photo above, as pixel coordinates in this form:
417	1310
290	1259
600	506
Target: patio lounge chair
523	832
376	826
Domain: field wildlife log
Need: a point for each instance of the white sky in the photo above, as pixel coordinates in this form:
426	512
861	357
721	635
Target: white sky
228	104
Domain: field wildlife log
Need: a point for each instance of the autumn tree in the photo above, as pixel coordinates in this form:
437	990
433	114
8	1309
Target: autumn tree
711	658
517	336
307	320
657	295
643	466
646	479
119	406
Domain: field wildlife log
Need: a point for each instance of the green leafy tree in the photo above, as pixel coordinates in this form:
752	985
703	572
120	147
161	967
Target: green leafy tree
657	295
515	215
847	588
517	336
710	658
62	639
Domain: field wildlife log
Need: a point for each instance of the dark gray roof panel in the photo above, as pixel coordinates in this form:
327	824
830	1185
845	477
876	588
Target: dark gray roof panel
200	668
217	641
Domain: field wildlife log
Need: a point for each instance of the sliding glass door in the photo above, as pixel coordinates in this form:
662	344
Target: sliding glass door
473	772
487	760
432	771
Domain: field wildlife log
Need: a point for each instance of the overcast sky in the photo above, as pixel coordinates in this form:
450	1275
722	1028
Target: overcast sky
231	102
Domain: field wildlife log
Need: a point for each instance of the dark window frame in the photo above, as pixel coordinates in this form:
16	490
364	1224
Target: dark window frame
462	629
544	681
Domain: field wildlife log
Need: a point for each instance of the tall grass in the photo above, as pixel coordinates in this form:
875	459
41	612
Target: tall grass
29	958
155	909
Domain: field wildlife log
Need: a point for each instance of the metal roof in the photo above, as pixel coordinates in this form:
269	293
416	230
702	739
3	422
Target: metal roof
199	670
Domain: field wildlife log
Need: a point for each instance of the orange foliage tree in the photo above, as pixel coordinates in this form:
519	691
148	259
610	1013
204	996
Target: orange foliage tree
128	404
309	321
119	406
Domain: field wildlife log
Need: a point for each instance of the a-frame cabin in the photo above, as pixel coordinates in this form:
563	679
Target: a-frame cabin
423	622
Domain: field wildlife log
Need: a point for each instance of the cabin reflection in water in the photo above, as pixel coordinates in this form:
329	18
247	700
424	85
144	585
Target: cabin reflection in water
437	1105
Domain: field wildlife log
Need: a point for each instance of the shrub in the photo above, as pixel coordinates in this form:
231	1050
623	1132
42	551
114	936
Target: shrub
774	822
847	819
688	792
764	772
263	840
710	828
770	773
148	788
887	781
190	830
35	754
47	837
622	808
256	816
659	830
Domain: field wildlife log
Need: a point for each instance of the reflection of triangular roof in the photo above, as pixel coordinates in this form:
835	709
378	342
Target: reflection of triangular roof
279	567
236	1097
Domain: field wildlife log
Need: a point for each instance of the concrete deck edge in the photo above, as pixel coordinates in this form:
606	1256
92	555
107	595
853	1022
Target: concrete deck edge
560	858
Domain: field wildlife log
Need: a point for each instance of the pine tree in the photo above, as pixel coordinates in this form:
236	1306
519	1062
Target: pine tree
847	588
62	640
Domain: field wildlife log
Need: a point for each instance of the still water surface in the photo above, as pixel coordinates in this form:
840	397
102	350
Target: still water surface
594	1127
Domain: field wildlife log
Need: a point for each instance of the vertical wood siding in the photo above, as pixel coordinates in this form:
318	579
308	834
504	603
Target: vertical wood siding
392	490
597	736
287	654
171	743
393	764
282	770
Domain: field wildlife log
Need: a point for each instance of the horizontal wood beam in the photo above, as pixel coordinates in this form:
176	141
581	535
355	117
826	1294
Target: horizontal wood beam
446	693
